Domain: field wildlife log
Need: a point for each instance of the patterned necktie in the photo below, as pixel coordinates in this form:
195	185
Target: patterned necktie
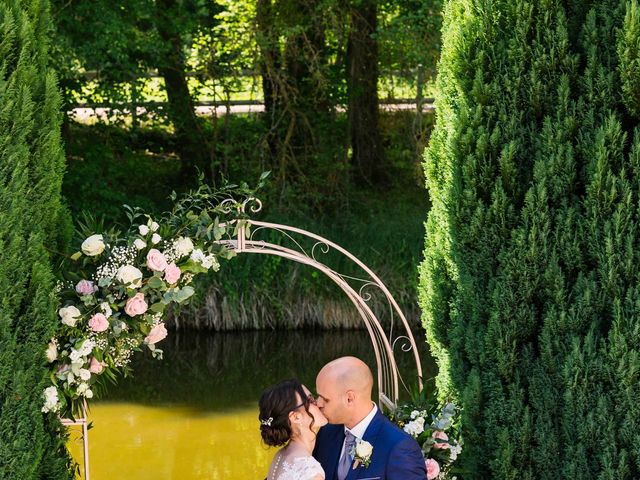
345	460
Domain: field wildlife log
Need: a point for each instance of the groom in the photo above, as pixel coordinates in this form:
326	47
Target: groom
344	396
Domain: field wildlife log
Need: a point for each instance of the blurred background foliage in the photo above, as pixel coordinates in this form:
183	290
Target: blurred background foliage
156	92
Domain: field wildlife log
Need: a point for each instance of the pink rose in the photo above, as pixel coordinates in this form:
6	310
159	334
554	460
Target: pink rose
136	305
98	323
96	366
433	469
156	261
172	273
438	435
157	333
86	287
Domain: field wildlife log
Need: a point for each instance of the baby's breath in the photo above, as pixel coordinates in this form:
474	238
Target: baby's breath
120	256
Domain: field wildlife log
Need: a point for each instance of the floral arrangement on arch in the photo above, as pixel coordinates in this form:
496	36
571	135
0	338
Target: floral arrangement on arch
117	287
436	428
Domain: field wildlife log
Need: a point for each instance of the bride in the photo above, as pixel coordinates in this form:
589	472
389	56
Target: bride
289	417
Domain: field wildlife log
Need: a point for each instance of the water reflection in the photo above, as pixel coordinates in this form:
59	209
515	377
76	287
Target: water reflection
194	414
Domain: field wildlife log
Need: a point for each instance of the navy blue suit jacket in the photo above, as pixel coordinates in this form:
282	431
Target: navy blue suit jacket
396	455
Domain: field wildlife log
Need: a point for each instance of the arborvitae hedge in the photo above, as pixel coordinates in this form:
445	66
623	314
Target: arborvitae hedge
531	281
32	224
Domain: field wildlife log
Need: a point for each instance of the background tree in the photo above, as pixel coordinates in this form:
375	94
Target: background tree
362	81
32	223
296	66
530	279
121	44
175	40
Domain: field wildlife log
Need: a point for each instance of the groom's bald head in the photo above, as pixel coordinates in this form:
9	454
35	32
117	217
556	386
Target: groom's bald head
344	388
351	373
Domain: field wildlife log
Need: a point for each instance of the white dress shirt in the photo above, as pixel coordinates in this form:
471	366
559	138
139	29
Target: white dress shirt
359	429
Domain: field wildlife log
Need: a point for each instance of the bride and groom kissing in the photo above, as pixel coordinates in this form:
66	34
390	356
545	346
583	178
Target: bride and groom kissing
340	435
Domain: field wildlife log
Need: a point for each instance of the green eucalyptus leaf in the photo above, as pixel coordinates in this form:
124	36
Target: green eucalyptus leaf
184	293
157	307
155	282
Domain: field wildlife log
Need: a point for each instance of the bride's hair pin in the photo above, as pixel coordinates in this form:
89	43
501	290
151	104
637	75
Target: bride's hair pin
267	422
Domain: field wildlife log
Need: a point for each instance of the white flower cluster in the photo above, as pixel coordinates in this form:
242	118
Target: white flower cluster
101	341
181	247
207	261
454	451
119	256
415	427
122	351
51	401
106	309
144	231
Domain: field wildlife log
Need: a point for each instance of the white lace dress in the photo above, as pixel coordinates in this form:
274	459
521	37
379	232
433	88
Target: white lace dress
300	468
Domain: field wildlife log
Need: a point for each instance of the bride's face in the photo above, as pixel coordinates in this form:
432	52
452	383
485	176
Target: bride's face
318	419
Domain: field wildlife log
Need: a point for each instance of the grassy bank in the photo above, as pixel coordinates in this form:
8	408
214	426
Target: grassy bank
109	166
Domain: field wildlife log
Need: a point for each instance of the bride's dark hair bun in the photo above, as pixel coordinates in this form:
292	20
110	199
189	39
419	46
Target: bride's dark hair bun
275	404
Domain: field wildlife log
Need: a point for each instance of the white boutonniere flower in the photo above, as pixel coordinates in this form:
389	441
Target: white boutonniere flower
361	453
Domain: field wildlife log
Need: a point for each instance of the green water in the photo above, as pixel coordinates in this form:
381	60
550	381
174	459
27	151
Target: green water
193	415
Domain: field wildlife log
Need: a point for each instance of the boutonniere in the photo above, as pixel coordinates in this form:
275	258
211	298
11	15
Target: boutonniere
361	453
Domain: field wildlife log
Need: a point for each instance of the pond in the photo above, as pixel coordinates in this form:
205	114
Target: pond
194	414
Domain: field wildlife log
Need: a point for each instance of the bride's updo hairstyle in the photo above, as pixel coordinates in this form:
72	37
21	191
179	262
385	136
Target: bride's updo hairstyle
275	404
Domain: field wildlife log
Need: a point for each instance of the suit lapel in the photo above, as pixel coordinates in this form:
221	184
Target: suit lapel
334	453
370	435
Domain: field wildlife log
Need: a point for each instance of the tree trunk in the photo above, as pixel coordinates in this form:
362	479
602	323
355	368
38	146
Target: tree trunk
296	103
362	80
194	151
269	68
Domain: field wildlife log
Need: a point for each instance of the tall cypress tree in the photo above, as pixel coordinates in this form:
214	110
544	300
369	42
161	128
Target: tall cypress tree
531	281
32	223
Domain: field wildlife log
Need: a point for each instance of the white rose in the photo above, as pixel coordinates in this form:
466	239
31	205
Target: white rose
69	315
183	246
88	393
82	388
129	274
364	449
414	414
52	351
106	309
139	243
143	229
154	227
85	374
93	245
155	238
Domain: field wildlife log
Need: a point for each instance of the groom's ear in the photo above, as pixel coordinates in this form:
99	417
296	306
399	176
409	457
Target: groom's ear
351	396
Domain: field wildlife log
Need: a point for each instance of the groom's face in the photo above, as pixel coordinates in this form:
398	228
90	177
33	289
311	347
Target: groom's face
330	399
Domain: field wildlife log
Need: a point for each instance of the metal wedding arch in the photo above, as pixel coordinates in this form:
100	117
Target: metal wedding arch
307	248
